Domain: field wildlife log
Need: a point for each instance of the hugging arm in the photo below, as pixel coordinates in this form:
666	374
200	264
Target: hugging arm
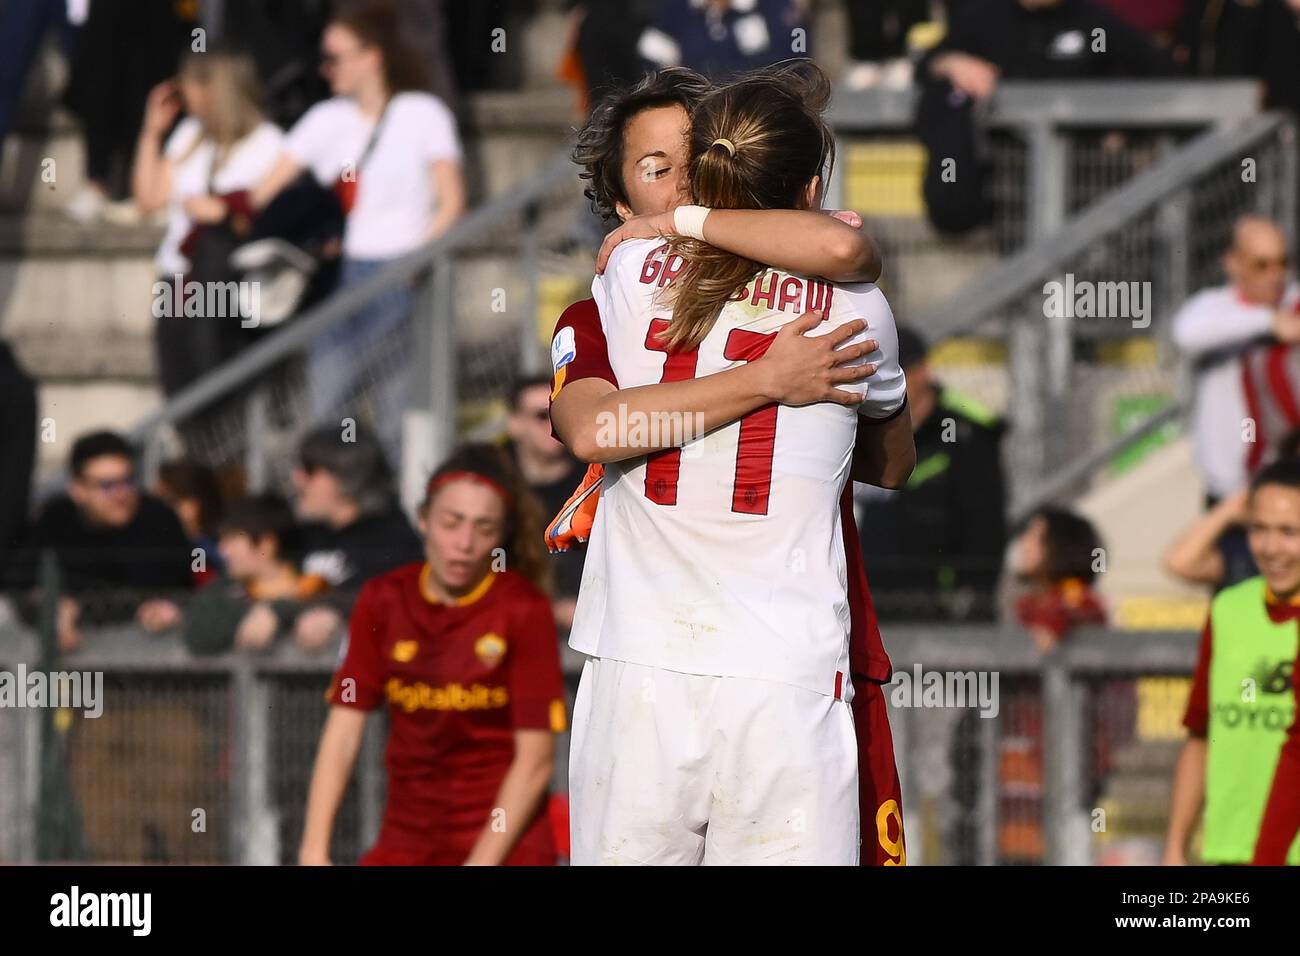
810	243
796	370
884	453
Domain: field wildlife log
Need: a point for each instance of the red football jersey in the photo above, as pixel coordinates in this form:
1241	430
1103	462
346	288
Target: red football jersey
458	679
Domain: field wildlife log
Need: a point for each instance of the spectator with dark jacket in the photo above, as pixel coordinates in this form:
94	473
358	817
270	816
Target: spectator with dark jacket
990	40
993	40
23	26
603	58
263	590
125	49
878	41
1163	21
17	451
934	549
122	553
551	474
721	38
354	528
1259	38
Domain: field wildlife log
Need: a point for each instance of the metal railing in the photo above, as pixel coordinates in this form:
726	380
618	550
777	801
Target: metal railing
254	406
1043	350
1154	206
234	736
1047	146
1066	691
1155	209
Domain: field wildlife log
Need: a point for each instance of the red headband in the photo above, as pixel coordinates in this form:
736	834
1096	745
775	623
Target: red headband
438	481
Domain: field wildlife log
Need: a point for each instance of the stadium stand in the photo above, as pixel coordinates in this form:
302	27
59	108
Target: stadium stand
1127	187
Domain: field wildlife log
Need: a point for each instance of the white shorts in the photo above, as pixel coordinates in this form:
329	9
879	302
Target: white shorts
668	768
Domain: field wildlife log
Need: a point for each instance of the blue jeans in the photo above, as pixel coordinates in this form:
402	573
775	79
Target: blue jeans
358	368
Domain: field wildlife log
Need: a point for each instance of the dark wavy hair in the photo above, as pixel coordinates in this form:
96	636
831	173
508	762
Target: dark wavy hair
525	522
189	479
1071	540
599	146
1285	472
266	514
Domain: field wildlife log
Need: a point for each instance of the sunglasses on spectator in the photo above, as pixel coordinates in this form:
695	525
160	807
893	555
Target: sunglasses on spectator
1260	265
107	485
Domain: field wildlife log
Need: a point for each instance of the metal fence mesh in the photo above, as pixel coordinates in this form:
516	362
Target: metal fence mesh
154	779
130	783
149	779
298	712
1111	307
1070	384
1135	734
163	775
973	780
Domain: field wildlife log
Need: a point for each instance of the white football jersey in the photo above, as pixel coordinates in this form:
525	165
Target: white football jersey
726	556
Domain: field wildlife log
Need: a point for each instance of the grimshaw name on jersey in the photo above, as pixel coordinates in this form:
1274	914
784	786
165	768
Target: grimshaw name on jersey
726	556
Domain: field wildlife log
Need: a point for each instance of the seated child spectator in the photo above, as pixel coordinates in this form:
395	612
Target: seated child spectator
262	591
1056	557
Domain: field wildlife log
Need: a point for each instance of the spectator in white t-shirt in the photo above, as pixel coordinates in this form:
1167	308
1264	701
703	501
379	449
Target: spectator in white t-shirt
1215	327
202	174
391	153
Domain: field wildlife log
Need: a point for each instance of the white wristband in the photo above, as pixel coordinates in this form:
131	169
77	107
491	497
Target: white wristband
689	221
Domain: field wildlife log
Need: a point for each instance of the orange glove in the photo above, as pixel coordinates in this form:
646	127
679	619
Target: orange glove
573	523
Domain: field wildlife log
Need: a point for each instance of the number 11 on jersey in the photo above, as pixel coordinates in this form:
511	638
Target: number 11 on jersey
757	442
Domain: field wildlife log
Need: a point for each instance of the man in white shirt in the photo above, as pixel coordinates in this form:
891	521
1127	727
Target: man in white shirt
1215	327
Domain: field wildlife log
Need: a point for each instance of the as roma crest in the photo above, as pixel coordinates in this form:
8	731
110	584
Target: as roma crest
490	648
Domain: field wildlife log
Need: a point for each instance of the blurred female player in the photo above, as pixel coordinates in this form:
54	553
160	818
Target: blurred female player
464	651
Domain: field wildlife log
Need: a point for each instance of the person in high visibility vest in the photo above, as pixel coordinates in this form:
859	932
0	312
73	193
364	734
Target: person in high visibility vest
1243	698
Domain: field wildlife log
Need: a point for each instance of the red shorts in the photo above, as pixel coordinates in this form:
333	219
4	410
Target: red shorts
397	847
880	795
